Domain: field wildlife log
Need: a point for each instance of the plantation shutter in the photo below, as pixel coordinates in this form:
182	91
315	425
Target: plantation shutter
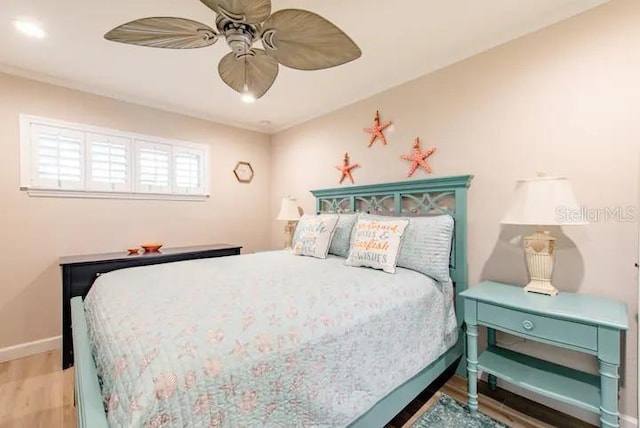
57	156
65	159
188	171
153	167
109	159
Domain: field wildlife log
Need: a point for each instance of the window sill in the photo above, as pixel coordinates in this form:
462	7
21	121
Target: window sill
82	194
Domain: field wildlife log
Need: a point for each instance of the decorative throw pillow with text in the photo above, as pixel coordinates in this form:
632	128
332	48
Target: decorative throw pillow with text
375	243
313	235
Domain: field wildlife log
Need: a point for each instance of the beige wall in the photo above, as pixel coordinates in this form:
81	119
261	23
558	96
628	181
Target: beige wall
564	100
36	231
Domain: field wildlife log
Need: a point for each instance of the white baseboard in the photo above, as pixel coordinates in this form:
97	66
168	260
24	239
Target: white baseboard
30	348
628	422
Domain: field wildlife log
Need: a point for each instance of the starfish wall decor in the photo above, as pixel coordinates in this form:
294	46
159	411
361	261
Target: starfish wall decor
346	168
418	158
377	130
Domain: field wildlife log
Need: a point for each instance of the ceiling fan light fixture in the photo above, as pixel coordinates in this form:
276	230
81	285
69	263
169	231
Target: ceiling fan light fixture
247	97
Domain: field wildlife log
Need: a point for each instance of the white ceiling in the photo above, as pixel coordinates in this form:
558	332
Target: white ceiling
400	40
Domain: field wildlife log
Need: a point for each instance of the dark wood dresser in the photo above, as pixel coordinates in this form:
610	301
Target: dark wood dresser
79	272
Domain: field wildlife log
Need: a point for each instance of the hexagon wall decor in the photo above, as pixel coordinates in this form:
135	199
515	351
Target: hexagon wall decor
243	172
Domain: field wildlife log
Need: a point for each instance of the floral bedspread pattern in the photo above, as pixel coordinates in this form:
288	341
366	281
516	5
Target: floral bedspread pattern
261	340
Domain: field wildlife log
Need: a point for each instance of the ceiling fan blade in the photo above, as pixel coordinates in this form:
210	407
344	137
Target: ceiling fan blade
305	41
162	32
258	72
249	11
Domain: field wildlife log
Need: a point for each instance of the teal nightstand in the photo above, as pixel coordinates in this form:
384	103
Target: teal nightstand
584	323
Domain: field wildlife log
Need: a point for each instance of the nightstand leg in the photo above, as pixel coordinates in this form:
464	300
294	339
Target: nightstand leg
493	382
472	368
609	361
609	416
491	340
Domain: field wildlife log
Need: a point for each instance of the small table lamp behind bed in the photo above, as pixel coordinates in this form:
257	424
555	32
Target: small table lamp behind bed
290	213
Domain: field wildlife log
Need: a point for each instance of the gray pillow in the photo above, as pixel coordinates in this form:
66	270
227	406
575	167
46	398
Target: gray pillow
426	245
342	235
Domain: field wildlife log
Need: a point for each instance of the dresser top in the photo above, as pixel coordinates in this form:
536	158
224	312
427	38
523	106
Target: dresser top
578	307
122	255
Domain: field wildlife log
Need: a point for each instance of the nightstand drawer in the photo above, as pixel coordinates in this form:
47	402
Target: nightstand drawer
526	324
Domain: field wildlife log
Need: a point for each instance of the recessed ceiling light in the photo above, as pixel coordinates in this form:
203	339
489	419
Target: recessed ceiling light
265	122
29	28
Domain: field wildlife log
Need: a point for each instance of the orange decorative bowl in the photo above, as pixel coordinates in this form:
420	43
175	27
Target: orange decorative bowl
133	251
151	247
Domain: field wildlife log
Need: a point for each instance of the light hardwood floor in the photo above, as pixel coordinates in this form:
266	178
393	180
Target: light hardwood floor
35	392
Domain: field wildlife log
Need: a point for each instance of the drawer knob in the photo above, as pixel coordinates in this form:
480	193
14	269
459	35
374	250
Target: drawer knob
528	325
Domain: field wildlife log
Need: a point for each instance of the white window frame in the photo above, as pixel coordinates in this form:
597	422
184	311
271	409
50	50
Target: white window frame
96	186
134	190
34	161
150	188
177	151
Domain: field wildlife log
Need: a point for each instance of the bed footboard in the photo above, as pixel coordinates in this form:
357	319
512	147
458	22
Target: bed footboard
89	404
397	400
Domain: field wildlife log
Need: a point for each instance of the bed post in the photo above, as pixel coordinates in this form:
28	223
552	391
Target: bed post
89	401
461	278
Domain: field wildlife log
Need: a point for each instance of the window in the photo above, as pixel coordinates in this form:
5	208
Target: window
154	167
109	163
57	157
64	159
187	164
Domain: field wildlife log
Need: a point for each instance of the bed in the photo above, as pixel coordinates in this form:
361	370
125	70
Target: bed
273	339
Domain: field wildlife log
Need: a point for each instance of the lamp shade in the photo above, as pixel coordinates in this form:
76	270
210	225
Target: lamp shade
544	201
288	210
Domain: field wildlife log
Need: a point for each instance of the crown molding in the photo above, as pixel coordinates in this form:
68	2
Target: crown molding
95	90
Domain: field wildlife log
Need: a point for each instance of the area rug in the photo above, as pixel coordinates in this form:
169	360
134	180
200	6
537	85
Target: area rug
448	413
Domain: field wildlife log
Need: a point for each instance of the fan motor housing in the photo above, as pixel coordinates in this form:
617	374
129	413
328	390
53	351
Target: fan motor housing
240	36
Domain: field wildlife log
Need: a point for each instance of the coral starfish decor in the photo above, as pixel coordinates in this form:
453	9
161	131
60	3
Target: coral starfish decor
377	130
346	168
418	157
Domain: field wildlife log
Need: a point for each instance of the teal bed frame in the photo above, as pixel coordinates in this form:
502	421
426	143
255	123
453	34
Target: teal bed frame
444	195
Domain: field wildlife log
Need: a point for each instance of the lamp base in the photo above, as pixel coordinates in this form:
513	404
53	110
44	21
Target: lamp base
541	287
289	228
539	249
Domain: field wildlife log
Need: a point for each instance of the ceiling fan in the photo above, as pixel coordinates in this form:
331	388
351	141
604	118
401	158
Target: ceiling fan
295	38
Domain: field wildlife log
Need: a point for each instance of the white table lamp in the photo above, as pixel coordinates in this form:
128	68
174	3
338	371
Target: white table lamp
543	201
290	213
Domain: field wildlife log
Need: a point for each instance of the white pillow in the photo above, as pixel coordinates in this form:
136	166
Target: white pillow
313	235
376	243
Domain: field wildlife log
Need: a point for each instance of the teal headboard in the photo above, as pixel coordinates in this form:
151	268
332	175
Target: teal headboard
442	195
